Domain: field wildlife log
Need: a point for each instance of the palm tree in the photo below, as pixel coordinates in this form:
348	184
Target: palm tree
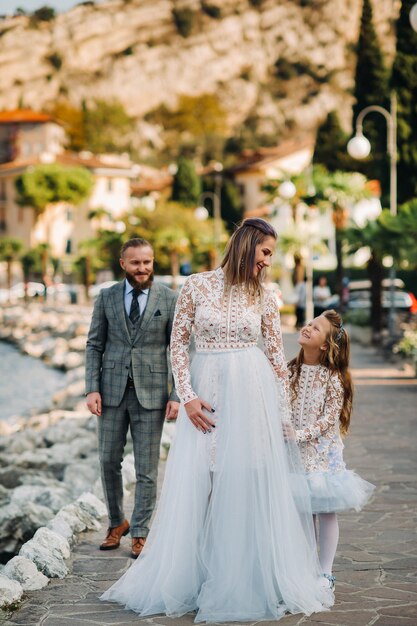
10	247
381	242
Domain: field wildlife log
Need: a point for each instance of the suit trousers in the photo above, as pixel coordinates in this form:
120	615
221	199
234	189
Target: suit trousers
146	430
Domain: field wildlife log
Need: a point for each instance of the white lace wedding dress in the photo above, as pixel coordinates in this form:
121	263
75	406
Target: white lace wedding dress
233	537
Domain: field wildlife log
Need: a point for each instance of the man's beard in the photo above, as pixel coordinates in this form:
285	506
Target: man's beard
133	280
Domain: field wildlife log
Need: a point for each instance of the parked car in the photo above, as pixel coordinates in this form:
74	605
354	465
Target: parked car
360	295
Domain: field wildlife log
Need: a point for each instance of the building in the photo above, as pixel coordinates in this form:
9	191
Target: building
258	166
32	139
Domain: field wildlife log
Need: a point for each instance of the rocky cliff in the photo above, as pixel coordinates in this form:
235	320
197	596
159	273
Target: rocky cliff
286	62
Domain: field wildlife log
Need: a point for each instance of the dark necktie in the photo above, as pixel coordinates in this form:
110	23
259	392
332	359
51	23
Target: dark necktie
134	314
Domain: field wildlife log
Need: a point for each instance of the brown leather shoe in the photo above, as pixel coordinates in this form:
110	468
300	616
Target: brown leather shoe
112	540
137	546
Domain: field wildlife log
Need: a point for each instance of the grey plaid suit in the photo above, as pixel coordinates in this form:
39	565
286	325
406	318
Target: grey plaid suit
115	348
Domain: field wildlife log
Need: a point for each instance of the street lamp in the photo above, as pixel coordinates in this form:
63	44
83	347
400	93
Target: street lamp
201	212
358	149
287	190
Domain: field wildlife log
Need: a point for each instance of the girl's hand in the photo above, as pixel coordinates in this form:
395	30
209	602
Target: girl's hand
195	411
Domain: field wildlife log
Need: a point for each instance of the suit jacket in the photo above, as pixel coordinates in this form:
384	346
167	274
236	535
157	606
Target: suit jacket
111	350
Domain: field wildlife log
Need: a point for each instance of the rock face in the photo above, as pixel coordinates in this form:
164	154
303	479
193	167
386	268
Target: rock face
287	63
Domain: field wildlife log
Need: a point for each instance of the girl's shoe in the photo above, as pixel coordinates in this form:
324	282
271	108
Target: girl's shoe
329	581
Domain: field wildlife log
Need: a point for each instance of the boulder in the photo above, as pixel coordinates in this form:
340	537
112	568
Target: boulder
92	505
26	573
60	526
52	541
48	561
10	591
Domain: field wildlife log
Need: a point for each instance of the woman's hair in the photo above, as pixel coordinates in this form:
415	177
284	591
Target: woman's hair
336	359
239	259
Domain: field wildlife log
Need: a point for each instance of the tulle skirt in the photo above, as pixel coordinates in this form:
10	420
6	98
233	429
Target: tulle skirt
334	492
233	537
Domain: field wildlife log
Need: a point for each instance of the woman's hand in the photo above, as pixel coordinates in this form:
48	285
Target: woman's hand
195	411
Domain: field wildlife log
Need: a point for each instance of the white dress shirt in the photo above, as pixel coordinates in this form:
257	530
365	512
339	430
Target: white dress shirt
142	298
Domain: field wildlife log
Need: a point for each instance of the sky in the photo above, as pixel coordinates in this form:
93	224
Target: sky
9	6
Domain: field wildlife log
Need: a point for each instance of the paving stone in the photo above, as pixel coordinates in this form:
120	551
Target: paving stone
400	621
376	567
401	611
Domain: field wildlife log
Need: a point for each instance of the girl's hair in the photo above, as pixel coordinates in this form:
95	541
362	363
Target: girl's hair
336	359
239	259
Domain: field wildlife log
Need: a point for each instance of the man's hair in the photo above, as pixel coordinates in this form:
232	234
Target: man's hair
136	242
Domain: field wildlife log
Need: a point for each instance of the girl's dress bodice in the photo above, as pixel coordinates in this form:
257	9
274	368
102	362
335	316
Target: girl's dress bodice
223	318
316	410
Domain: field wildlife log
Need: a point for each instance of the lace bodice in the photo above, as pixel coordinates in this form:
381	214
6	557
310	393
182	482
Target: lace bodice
316	411
223	318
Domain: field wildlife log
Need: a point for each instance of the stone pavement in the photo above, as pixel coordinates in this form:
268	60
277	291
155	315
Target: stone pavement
376	564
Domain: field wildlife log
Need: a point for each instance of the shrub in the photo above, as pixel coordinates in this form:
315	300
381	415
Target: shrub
184	21
358	317
408	344
55	60
211	10
44	14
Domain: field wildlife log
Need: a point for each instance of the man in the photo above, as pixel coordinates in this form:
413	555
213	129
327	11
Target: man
321	294
127	385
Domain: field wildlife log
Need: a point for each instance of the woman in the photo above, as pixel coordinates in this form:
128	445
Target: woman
233	537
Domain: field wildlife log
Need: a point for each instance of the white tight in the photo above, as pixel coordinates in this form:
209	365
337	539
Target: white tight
327	537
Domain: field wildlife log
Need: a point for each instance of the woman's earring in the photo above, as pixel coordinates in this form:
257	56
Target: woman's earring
242	265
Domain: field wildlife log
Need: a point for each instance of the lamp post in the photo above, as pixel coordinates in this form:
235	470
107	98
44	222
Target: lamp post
287	191
201	212
359	148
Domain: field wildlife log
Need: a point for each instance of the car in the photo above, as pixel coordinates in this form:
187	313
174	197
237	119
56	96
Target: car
360	295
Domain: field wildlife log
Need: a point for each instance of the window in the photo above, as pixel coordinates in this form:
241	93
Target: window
68	247
109	184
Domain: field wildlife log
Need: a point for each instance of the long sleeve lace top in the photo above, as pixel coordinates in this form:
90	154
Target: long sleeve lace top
223	318
315	412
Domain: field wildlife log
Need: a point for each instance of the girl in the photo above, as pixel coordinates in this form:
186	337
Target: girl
321	390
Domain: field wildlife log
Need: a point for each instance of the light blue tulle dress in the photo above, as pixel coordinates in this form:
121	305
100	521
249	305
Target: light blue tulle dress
233	538
315	412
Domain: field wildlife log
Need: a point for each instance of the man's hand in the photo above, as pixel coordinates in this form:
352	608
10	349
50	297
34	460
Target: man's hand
94	403
195	411
171	412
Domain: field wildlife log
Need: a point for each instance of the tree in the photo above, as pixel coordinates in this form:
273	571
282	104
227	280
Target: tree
107	126
72	120
372	87
10	248
196	125
403	229
331	146
404	82
89	261
381	243
50	183
230	202
338	190
328	190
186	186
